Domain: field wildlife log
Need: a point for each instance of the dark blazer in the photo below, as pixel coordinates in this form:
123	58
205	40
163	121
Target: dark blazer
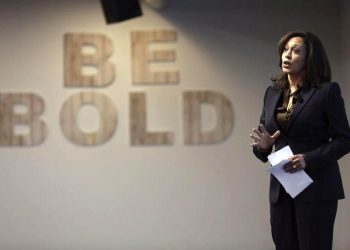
319	129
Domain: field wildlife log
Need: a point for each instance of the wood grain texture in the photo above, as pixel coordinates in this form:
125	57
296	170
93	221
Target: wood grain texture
33	106
69	114
193	133
138	124
75	60
142	57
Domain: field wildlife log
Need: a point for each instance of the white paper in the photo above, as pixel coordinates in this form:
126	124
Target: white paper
293	183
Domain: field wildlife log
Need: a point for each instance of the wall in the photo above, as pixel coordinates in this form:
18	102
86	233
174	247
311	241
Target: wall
117	196
342	226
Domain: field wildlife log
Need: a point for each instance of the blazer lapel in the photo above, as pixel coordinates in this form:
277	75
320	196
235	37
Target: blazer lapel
272	105
304	98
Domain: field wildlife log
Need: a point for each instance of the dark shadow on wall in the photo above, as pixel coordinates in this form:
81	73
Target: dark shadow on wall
266	21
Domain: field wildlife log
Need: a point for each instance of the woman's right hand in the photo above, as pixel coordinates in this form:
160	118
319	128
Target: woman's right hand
262	139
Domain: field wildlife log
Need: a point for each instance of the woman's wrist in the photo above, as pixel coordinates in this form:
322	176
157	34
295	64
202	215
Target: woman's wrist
262	150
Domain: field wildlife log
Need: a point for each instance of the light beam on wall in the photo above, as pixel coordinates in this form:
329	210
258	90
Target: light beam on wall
155	4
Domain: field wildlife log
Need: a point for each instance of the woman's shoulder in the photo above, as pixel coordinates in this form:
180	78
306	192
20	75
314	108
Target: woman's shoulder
328	86
329	90
271	91
273	88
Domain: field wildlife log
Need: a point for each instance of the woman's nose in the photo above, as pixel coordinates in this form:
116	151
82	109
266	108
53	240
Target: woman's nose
288	55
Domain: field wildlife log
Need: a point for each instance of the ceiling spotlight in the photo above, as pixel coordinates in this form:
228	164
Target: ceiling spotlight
120	10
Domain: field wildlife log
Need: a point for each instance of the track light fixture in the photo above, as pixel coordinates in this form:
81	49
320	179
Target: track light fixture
121	10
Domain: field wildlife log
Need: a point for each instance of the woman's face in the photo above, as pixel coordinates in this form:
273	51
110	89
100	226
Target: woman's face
294	57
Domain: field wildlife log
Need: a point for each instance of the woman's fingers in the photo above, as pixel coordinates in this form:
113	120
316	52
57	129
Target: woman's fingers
262	138
288	166
254	137
291	168
276	134
296	163
257	131
262	128
295	169
263	131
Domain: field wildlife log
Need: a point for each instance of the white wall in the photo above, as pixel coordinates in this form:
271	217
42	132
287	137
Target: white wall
115	196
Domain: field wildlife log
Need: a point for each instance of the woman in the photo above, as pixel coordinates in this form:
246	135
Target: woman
305	110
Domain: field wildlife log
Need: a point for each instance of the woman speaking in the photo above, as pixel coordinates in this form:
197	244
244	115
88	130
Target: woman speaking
305	110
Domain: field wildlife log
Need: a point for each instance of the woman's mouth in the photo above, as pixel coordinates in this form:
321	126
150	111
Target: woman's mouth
286	64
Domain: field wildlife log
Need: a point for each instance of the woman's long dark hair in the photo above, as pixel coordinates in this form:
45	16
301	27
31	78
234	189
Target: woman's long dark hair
317	69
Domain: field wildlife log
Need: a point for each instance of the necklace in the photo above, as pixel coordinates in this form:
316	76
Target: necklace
291	101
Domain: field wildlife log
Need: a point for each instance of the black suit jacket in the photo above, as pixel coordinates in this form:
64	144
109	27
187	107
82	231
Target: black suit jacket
319	129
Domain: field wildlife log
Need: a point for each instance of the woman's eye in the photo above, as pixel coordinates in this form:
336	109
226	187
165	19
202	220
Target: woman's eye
296	51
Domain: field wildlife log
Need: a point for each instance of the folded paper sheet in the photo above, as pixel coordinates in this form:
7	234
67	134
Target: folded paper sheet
293	183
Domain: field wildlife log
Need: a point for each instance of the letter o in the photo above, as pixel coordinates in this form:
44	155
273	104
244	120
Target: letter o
69	114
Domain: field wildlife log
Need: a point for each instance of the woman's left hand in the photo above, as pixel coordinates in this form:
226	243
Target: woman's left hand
296	163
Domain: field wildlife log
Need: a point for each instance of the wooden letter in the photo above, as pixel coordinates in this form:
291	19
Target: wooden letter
75	60
69	113
142	58
32	107
138	127
193	133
